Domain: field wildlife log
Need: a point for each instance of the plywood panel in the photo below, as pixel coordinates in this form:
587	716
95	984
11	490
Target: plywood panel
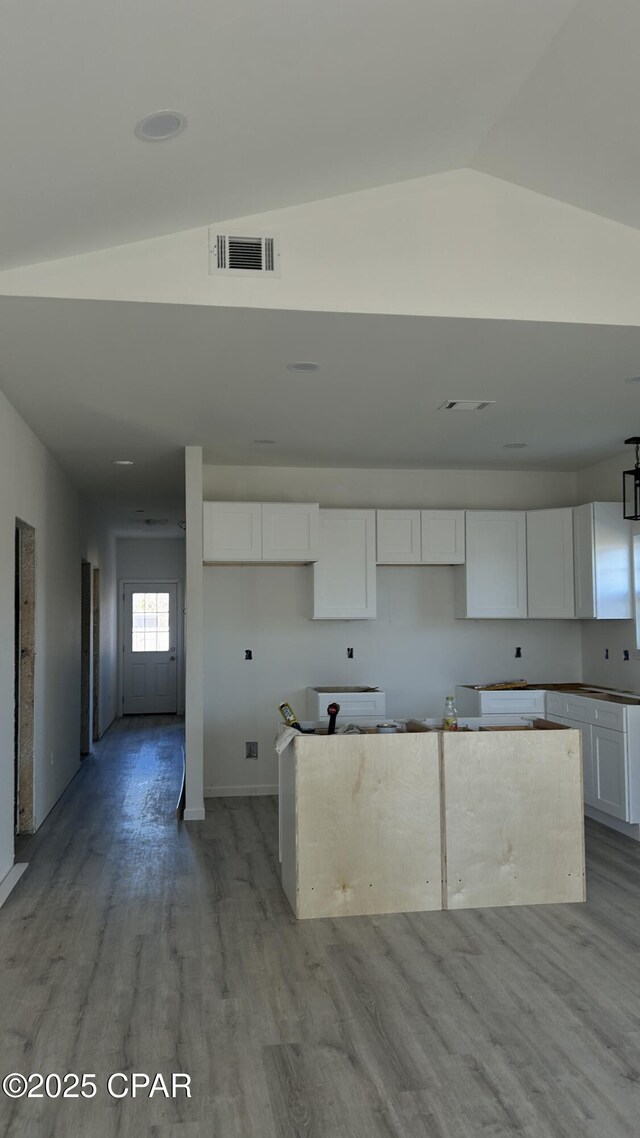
368	825
514	826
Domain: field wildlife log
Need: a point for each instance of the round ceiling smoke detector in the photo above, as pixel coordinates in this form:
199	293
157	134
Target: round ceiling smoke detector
122	462
514	446
633	379
304	366
160	125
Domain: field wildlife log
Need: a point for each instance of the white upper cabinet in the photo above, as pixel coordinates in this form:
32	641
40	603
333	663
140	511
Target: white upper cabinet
493	581
420	537
398	538
290	531
550	563
232	531
602	549
255	531
442	537
344	576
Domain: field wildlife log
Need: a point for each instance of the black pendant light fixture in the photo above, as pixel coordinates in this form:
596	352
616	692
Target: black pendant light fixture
631	484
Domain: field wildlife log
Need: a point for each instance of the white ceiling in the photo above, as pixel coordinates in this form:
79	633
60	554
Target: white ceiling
100	380
286	100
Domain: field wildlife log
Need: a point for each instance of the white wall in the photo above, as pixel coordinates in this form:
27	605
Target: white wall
139	558
34	489
416	650
472	245
445	489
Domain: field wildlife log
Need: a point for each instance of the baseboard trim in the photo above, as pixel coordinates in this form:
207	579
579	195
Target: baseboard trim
193	814
629	829
12	878
253	791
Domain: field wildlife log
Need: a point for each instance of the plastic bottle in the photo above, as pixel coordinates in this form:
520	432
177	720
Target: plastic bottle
450	720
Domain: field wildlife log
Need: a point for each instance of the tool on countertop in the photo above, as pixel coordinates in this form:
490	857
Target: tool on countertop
291	719
332	712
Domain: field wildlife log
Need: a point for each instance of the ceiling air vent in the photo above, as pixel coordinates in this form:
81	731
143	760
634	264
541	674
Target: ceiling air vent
243	256
466	404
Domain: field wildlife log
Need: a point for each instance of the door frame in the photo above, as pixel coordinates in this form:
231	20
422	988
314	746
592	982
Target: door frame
156	581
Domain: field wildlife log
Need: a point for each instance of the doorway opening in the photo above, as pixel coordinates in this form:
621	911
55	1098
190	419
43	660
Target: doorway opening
24	676
96	655
86	646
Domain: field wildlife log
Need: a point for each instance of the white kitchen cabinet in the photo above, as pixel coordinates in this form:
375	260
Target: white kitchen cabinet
587	755
260	531
609	751
495	703
398	537
344	576
602	562
231	531
290	531
550	592
442	541
493	581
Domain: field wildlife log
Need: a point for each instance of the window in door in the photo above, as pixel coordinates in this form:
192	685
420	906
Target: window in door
150	622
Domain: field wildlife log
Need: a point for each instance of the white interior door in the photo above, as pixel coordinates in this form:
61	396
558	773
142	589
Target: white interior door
149	650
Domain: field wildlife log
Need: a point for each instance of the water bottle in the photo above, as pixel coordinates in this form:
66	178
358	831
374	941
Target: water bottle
450	720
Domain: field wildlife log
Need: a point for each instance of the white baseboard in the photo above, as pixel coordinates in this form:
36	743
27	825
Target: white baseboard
11	880
193	814
240	791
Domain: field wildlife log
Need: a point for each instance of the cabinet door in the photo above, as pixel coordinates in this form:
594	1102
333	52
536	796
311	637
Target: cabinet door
610	771
612	559
398	537
231	531
550	564
584	569
442	537
493	581
588	774
289	531
344	576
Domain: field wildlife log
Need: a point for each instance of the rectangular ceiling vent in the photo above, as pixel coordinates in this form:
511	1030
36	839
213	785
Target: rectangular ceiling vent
466	404
243	256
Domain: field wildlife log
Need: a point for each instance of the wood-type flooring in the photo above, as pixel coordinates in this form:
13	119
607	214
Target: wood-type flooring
134	943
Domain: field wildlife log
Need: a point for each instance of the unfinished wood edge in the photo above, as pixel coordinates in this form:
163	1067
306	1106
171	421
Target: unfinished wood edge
296	831
443	826
584	859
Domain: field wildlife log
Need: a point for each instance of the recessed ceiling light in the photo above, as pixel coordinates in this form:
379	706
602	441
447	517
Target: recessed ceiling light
160	125
265	442
122	462
514	446
304	366
633	379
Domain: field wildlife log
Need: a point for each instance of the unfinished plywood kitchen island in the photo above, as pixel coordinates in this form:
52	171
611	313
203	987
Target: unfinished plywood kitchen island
431	820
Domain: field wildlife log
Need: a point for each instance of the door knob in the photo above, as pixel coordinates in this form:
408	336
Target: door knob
172	657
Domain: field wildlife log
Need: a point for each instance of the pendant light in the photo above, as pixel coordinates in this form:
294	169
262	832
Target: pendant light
631	484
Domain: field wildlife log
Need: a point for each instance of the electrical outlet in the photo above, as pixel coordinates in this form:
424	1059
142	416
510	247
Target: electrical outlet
251	750
349	653
248	654
625	654
518	653
606	653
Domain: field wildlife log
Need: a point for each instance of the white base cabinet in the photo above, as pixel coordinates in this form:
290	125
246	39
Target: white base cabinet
344	576
610	749
493	580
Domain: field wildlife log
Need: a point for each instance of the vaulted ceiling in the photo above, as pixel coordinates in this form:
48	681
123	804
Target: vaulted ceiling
293	100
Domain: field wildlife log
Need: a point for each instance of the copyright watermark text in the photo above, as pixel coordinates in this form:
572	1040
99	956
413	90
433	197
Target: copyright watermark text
119	1085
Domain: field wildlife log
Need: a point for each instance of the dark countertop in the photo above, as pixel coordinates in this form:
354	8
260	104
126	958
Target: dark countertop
609	695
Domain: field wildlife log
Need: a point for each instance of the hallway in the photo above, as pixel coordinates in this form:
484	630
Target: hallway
134	943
